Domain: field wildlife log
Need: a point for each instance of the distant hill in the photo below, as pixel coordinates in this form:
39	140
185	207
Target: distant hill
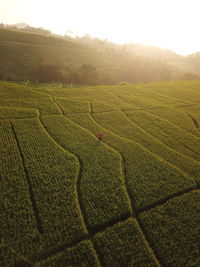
36	54
190	63
21	25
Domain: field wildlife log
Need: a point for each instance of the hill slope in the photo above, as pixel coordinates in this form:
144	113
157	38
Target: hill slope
45	58
129	199
190	63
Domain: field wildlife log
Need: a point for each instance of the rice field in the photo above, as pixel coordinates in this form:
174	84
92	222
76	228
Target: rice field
100	176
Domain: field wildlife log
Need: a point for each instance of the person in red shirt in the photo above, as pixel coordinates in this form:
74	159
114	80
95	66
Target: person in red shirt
100	136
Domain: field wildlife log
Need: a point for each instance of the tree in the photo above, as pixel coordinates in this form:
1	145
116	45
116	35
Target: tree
89	74
48	73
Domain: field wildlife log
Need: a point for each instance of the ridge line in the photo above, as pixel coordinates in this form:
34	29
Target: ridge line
34	206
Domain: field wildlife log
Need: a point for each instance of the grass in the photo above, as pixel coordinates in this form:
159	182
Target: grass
130	199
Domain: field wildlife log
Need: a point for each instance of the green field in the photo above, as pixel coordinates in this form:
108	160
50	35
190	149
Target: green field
70	199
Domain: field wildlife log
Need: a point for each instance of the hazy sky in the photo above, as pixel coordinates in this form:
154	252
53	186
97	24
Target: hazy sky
172	24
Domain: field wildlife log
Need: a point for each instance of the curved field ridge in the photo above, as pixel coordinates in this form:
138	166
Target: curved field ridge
52	179
72	198
175	226
99	166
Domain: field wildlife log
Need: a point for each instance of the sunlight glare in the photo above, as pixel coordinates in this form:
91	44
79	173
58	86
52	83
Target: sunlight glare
171	24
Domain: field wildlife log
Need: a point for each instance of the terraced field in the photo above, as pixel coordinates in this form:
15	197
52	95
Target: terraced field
71	199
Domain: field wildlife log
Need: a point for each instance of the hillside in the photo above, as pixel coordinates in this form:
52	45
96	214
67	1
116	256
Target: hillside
71	199
190	63
46	58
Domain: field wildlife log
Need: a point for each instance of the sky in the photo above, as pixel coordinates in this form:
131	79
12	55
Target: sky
169	24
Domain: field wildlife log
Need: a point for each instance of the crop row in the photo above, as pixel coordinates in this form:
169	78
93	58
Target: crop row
146	97
53	176
17	113
120	124
101	185
44	106
82	254
120	245
148	177
135	101
20	96
87	94
67	195
18	222
174	230
160	96
168	133
71	106
82	105
181	91
178	137
177	117
125	245
194	113
40	182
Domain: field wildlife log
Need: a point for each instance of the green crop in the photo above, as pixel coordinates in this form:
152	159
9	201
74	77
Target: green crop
119	245
72	106
20	96
52	180
17	113
82	254
193	112
179	117
146	174
168	133
100	176
174	228
101	185
128	129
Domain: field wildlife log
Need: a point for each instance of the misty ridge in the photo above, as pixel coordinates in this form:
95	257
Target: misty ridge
37	55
